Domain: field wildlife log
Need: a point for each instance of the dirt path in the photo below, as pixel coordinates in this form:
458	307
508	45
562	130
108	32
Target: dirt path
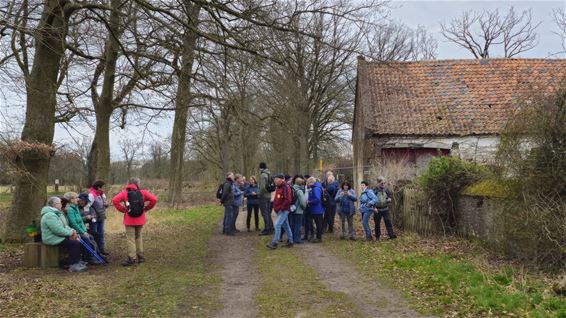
372	299
235	255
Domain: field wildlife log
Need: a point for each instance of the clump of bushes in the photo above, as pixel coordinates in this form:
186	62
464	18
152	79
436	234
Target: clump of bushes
532	157
443	180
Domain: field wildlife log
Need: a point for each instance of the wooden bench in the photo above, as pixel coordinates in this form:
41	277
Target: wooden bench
40	255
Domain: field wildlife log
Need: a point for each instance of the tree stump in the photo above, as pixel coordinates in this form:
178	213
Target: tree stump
49	256
32	254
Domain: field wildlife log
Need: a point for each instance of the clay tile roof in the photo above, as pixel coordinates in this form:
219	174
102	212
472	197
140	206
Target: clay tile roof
449	97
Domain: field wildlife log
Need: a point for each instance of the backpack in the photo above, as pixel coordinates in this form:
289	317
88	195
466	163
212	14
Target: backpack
293	207
270	186
219	191
382	196
135	203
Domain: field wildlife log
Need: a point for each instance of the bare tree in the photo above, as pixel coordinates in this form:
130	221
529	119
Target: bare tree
481	32
559	16
398	42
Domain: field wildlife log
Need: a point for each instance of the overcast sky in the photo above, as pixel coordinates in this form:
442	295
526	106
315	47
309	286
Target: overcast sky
430	13
412	13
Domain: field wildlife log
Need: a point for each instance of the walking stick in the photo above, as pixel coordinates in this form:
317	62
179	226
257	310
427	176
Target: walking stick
88	248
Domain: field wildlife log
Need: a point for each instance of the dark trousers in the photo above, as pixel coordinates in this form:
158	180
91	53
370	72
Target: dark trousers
309	227
255	208
235	213
265	207
296	223
227	224
73	248
386	219
329	215
318	220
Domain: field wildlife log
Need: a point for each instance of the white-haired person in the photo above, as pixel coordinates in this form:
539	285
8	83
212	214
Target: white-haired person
55	230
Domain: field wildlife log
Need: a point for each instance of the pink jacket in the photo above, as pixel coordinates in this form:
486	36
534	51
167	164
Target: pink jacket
120	199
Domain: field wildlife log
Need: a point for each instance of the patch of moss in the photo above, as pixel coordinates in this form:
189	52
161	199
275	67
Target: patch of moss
487	188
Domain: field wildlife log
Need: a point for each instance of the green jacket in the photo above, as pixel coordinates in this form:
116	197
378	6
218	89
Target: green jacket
54	226
75	220
262	183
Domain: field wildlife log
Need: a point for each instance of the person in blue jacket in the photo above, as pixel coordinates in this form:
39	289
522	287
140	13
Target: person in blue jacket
345	199
368	200
251	193
315	206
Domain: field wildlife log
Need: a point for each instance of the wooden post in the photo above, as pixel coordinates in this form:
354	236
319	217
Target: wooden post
32	254
56	185
49	256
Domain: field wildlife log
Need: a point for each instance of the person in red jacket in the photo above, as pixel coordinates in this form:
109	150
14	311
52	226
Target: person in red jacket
133	223
282	206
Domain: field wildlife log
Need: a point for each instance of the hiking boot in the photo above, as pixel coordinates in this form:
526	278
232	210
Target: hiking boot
316	240
141	259
289	245
393	237
271	246
352	238
77	268
129	262
104	252
94	261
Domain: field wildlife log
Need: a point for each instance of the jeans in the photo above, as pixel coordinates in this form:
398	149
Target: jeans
73	248
318	220
255	209
282	220
134	241
227	224
265	207
296	223
98	233
329	216
350	219
387	220
365	222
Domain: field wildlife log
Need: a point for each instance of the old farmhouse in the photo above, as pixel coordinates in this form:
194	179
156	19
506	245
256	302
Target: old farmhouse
415	110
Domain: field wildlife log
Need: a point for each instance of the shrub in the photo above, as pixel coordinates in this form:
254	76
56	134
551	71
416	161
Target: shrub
442	181
532	156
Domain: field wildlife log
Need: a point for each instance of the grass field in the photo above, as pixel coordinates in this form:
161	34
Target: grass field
176	280
451	279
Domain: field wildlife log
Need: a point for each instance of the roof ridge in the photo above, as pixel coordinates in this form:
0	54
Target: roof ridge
470	61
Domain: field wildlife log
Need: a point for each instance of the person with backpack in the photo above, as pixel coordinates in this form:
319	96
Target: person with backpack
382	209
330	189
297	212
134	203
251	194
265	187
226	193
345	198
315	207
367	201
282	205
97	200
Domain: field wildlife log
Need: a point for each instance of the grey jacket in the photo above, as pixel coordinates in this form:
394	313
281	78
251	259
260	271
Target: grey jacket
262	183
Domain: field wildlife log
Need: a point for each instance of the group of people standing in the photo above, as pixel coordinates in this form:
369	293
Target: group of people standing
304	206
72	218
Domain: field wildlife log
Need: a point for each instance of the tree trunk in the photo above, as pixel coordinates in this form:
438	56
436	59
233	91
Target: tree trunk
182	102
39	126
100	150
